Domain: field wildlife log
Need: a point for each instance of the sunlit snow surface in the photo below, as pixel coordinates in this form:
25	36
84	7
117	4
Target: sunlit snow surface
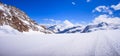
99	43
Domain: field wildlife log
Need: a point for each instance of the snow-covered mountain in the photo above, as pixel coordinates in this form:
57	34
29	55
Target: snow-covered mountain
101	26
103	22
57	28
75	29
85	29
15	20
60	29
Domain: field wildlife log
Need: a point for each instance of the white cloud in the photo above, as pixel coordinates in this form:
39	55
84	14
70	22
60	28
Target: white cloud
116	7
103	9
88	0
49	20
107	9
52	21
73	3
100	8
65	23
107	19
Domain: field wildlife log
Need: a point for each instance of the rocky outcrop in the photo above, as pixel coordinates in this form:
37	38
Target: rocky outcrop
18	20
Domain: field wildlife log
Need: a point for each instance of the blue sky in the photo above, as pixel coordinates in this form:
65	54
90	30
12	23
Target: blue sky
76	11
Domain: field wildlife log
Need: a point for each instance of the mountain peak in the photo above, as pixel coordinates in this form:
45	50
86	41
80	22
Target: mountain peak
17	19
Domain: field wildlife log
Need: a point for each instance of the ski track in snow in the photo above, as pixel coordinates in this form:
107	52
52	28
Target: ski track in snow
100	43
116	47
104	46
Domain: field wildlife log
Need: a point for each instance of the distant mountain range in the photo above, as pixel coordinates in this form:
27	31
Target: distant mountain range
85	29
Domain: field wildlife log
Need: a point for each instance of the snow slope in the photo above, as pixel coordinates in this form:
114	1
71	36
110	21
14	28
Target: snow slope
98	43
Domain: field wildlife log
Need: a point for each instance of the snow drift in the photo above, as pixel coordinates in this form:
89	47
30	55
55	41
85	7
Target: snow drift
99	43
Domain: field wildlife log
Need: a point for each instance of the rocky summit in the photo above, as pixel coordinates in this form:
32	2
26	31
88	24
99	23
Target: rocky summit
18	20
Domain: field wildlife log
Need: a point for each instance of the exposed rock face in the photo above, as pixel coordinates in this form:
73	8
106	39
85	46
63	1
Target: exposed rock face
17	19
75	29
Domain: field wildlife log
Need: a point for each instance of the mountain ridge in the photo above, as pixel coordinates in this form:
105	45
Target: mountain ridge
18	19
85	29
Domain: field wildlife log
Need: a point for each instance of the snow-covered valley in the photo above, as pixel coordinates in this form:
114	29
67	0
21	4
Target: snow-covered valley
98	43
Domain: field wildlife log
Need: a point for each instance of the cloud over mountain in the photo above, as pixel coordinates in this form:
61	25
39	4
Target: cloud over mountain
107	19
